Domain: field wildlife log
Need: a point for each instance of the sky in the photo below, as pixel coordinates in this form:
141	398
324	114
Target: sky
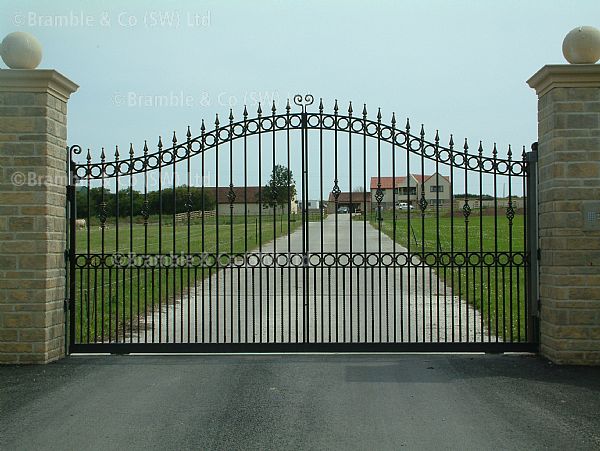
459	67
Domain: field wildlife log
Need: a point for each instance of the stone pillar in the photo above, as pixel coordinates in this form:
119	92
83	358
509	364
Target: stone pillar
569	211
33	168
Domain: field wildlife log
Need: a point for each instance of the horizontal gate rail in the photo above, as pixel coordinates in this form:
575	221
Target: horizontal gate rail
217	348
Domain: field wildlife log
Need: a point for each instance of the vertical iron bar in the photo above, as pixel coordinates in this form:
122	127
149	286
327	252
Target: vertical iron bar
275	203
466	212
145	214
188	206
438	247
408	209
130	269
88	226
510	216
423	206
394	218
202	229
245	130
379	218
320	205
259	230
117	166
336	193
495	154
174	216
532	304
452	255
289	217
231	249
72	249
481	250
102	217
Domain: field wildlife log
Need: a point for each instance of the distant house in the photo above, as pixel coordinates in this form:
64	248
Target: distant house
437	189
246	201
313	206
354	201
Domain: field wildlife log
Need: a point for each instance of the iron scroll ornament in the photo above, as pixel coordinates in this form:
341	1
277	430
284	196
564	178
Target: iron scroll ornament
220	135
304	102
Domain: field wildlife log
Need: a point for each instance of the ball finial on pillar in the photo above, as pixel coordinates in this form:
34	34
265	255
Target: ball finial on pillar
582	45
20	50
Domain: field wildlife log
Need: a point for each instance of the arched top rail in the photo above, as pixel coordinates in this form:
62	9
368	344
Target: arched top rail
399	138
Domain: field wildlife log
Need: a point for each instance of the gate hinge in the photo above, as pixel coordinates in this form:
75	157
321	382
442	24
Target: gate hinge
66	305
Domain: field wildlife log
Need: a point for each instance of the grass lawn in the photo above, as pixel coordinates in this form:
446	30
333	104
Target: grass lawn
111	301
496	290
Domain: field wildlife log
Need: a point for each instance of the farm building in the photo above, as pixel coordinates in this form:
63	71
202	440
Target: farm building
245	200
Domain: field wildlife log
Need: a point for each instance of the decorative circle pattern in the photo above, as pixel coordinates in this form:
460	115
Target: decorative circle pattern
292	121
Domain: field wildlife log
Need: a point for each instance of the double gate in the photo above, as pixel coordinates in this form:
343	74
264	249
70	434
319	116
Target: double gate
302	231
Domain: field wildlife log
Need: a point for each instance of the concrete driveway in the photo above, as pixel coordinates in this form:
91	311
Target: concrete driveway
300	402
367	303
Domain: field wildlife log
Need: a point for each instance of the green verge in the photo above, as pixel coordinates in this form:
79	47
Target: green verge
112	302
496	290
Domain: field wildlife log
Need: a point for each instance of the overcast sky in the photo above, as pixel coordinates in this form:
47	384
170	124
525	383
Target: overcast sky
456	66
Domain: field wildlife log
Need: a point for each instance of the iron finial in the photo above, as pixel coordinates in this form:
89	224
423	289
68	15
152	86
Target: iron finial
509	152
350	108
174	138
88	157
393	119
287	106
245	112
230	115
451	142
494	151
321	105
189	133
273	108
407	125
480	149
437	137
364	111
160	144
130	150
422	133
116	152
335	107
202	126
217	120
466	146
378	114
102	155
145	147
259	111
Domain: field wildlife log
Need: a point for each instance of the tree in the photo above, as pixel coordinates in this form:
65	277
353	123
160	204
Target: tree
281	189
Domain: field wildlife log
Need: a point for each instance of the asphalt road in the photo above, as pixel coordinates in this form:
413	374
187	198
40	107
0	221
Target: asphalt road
300	402
369	303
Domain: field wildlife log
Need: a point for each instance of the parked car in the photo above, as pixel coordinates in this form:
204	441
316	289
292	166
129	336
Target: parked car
343	210
404	206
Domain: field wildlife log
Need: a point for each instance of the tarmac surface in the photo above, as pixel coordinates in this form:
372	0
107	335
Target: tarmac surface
300	402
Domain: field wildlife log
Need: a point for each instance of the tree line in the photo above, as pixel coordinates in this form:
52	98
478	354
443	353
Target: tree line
131	202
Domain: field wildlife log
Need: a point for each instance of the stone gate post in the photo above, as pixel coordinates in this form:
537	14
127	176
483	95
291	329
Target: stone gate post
569	211
33	165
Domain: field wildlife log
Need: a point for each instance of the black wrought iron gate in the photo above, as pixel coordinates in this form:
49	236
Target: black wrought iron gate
302	231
